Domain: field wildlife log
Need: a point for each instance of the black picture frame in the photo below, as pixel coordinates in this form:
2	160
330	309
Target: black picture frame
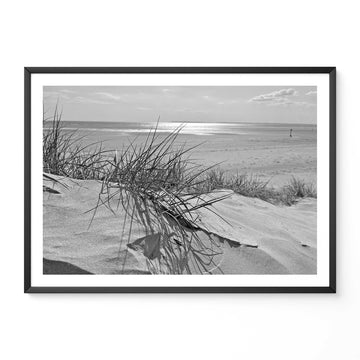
331	71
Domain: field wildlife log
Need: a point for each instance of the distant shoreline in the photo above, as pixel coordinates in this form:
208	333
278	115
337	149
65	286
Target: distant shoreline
189	122
266	151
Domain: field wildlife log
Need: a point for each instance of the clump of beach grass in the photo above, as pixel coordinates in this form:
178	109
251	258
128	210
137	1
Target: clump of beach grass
253	186
300	189
65	155
159	187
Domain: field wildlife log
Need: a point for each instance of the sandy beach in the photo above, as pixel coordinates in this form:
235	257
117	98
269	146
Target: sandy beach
252	236
262	150
276	158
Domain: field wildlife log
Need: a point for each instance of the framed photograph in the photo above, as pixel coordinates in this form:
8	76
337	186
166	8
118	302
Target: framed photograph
173	180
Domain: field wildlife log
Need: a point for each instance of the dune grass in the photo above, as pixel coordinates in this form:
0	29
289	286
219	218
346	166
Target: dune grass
155	184
253	186
158	186
299	189
64	154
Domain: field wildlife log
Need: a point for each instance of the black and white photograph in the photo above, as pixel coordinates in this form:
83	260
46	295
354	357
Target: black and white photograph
172	175
180	180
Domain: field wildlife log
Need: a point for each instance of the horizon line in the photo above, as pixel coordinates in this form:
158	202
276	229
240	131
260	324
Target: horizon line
189	122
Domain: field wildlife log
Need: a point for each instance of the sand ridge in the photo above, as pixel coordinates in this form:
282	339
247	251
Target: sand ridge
262	238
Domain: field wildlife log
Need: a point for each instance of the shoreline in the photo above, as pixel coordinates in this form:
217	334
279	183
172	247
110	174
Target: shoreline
269	155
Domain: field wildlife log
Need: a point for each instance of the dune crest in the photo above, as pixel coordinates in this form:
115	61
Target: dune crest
253	236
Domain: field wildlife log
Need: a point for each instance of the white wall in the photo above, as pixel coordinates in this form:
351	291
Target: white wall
150	33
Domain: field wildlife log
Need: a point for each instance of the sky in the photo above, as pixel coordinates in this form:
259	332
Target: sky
262	104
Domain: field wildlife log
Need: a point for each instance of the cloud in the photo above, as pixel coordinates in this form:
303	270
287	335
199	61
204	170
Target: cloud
279	96
283	97
67	91
293	103
55	96
190	110
108	96
219	101
311	93
86	100
143	108
65	96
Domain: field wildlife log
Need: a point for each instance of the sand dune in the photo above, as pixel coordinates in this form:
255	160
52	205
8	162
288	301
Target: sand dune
254	237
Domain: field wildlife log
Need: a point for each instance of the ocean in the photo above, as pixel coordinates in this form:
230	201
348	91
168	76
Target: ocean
109	129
